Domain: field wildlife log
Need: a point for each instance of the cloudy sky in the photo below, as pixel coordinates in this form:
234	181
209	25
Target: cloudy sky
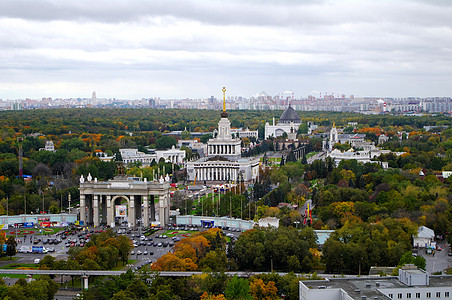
191	48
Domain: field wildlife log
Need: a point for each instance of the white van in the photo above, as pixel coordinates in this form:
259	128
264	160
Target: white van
37	260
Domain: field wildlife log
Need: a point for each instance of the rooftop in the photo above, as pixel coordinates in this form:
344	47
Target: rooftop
289	115
358	287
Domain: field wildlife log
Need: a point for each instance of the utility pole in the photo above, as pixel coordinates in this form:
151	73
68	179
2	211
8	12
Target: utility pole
69	199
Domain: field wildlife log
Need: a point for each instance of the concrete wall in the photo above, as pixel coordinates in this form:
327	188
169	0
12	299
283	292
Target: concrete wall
322	294
34	218
218	221
410	293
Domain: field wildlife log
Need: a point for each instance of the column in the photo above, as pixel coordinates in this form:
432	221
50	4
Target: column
110	212
82	209
131	212
104	210
96	210
152	208
90	210
145	217
163	213
85	282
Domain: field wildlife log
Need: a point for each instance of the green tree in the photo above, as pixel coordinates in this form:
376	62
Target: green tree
238	288
11	247
165	142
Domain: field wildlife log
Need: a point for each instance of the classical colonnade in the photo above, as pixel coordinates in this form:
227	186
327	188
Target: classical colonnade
222	149
217	173
101	202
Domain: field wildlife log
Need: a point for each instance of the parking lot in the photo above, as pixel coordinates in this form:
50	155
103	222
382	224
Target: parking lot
149	244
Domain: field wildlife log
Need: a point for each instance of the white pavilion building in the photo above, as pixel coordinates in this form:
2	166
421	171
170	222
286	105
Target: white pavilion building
223	161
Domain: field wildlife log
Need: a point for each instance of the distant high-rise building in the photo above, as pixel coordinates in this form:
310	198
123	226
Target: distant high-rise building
94	99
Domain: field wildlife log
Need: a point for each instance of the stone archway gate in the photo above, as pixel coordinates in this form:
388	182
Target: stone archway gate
98	198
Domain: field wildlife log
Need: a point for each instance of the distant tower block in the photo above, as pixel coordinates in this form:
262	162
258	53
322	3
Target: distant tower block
94	98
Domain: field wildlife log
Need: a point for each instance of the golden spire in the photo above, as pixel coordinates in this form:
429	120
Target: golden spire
224	114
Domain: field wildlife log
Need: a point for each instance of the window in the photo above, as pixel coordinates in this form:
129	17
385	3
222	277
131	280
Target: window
429	295
408	295
390	296
399	295
418	295
438	294
446	294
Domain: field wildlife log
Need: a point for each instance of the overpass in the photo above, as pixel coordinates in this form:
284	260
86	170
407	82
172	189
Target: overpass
86	273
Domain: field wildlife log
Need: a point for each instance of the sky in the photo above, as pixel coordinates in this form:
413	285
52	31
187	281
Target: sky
192	48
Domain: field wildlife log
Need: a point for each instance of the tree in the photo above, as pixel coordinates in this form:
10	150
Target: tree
124	247
237	288
11	247
260	290
408	258
165	142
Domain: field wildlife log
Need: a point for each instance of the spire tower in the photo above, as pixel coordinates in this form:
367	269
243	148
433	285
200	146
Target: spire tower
224	114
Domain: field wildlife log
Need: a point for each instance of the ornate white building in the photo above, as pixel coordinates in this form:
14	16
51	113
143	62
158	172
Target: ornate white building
223	161
48	147
289	121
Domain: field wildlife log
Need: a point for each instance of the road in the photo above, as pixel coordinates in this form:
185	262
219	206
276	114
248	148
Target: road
319	155
438	262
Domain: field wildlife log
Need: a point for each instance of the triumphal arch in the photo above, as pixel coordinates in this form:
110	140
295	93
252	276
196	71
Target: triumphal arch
124	199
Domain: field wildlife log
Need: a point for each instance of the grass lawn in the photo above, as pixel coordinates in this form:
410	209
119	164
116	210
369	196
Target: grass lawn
120	266
26	231
35	276
310	154
6	258
171	233
15	266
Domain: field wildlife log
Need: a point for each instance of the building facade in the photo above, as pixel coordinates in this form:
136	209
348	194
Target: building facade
223	161
128	198
288	122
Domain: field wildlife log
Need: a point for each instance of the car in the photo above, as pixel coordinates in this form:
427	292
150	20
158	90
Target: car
145	253
155	244
132	253
164	236
159	245
139	252
151	252
45	242
37	260
165	244
51	249
149	244
449	254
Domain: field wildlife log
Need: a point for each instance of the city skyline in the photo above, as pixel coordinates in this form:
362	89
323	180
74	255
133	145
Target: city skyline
169	49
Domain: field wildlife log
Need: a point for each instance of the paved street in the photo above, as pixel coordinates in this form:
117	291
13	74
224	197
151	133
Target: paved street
319	155
438	262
